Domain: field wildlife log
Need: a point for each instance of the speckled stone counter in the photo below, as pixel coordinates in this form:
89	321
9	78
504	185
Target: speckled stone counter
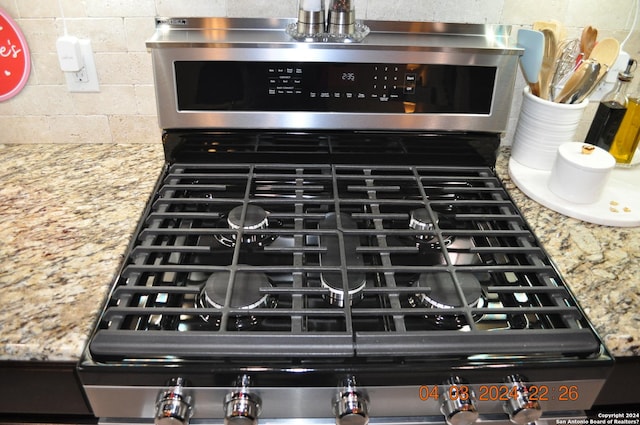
67	213
600	264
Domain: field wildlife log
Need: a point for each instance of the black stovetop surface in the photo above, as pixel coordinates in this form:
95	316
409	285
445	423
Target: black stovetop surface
341	259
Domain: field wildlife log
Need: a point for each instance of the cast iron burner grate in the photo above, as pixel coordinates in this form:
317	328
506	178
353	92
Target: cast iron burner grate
349	256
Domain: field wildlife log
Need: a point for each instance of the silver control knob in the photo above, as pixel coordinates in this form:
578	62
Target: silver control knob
350	404
520	408
241	407
459	402
173	406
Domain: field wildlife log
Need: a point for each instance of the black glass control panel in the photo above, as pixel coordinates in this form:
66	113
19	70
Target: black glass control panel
334	87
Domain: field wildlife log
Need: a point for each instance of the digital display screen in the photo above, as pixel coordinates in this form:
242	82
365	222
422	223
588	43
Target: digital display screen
334	87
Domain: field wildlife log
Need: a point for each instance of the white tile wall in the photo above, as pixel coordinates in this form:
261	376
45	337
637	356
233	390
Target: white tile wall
124	110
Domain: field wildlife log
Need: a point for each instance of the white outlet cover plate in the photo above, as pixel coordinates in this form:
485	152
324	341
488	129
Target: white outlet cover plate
91	84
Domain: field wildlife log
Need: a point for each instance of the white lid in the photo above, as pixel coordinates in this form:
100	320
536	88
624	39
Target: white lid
586	156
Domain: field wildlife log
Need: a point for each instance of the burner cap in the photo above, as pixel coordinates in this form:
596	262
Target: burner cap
246	290
255	218
332	281
421	220
443	292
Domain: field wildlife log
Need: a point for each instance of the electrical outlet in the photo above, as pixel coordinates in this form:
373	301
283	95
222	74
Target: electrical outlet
86	79
82	76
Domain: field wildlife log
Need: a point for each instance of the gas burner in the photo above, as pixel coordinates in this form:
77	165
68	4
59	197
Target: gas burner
421	220
256	218
443	294
245	294
332	280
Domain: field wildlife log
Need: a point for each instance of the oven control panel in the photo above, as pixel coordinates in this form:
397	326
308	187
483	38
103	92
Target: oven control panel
454	401
334	87
358	82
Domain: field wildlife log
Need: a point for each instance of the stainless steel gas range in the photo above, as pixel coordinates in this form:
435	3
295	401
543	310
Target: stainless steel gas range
329	242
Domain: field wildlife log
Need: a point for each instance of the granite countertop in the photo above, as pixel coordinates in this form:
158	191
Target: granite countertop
67	213
600	264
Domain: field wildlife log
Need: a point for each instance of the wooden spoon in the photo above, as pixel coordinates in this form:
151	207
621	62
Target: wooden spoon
605	52
574	82
588	41
556	26
548	62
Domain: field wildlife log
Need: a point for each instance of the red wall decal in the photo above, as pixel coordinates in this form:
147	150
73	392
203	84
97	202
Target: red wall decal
15	61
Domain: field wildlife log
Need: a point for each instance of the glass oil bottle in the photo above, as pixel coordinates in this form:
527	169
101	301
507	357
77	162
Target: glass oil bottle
611	111
626	140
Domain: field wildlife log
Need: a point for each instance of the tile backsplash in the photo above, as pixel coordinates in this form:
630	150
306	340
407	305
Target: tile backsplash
124	110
